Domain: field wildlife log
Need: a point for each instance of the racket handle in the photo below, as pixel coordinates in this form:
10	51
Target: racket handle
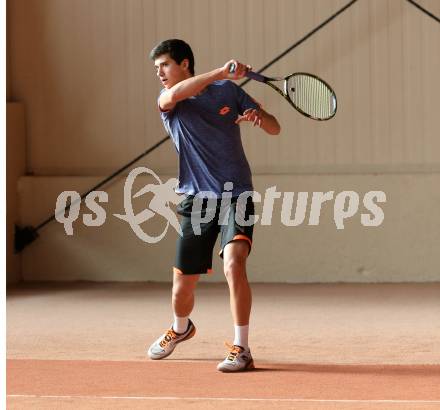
256	76
250	74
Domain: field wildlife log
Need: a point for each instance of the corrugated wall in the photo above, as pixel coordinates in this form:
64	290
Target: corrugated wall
81	68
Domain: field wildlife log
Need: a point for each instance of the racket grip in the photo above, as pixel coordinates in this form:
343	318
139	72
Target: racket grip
250	74
255	76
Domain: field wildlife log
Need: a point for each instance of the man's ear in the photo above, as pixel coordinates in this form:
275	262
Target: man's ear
185	63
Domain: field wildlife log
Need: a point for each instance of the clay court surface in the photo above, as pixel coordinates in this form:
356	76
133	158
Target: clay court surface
333	346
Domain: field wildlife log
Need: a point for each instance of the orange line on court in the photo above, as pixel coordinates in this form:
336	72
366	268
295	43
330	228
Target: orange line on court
171	378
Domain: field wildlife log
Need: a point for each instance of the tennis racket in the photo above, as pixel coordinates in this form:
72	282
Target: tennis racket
307	93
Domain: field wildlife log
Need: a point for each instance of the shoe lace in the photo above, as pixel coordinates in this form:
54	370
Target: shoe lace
233	351
168	337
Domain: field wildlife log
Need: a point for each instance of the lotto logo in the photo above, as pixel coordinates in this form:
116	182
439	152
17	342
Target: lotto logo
224	110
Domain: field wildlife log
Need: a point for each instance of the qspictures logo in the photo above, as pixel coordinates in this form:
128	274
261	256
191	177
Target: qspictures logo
346	204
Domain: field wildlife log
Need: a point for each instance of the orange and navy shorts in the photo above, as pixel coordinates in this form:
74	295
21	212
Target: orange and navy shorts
195	247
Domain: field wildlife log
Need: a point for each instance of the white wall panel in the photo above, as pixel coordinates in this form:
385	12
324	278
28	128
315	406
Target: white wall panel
404	248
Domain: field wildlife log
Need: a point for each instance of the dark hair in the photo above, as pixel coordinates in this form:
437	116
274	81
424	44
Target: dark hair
177	49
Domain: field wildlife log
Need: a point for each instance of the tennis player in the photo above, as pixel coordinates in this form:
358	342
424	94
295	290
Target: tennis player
202	114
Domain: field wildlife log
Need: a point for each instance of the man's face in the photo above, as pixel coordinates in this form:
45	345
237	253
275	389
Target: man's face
169	72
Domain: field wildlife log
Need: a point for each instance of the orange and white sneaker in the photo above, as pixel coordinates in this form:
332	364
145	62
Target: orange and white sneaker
166	343
237	360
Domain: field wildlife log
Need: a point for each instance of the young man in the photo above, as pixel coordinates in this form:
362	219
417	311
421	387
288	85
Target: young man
201	113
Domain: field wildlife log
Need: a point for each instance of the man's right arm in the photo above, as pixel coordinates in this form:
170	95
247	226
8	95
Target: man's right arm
194	85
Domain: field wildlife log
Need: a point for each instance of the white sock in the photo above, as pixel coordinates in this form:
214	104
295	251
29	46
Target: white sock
241	336
180	324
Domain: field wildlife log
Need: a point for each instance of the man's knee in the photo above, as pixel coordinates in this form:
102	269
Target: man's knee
235	269
184	284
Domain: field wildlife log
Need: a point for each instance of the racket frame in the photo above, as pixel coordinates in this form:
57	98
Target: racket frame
269	81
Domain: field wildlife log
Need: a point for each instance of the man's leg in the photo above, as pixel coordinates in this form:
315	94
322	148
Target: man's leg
182	328
234	261
183	299
235	255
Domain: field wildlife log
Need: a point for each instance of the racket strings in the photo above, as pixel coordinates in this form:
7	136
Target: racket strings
311	96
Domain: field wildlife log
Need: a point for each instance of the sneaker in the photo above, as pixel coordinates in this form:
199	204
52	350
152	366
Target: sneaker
166	344
238	359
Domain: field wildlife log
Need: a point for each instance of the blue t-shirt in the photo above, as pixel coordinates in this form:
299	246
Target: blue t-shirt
208	141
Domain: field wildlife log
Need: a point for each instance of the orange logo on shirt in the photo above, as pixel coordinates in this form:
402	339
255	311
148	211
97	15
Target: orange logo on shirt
224	110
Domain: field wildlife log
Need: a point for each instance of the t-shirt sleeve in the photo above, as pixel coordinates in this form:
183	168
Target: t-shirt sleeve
163	114
244	100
